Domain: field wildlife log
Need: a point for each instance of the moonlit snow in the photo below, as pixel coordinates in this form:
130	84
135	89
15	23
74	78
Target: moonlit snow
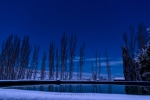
12	94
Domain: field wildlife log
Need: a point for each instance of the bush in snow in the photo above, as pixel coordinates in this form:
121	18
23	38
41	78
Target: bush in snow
143	60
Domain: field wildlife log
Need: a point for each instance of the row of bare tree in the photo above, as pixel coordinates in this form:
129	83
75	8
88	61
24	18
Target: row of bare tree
97	69
15	62
14	58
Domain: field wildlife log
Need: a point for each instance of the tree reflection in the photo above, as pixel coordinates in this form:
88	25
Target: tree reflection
99	88
56	89
41	88
70	88
140	90
96	89
109	88
50	88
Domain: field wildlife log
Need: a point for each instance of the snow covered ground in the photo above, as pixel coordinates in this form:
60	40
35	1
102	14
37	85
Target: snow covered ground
13	94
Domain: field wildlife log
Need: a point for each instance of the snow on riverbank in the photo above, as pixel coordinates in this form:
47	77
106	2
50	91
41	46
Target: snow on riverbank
12	94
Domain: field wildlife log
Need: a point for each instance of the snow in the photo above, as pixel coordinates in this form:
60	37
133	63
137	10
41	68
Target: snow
146	74
13	94
119	78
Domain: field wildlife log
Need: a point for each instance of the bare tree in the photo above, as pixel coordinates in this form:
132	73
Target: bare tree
142	36
32	70
63	55
66	73
24	57
125	57
108	67
78	70
96	62
43	66
51	60
15	57
129	68
8	67
3	62
57	63
36	60
81	60
92	70
128	52
1	67
132	41
72	47
9	57
125	38
99	66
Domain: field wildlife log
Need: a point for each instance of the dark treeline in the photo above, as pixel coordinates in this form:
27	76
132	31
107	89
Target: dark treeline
136	54
136	67
16	61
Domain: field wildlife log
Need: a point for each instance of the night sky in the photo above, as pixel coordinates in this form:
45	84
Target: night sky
100	23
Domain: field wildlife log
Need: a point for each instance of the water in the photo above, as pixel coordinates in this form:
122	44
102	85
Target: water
89	88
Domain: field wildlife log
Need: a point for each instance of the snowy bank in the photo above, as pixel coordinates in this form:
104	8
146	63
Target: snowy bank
12	94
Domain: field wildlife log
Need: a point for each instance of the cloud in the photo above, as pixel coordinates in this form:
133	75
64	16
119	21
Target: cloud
94	59
76	59
89	75
114	63
111	62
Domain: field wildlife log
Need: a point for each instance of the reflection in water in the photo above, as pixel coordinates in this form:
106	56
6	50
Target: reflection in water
70	88
140	90
109	88
41	88
96	89
80	88
50	88
88	88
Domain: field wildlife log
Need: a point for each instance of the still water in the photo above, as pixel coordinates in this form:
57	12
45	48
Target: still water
89	88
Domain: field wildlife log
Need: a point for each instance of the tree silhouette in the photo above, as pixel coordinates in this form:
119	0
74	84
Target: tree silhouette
108	67
57	63
131	69
32	70
43	66
24	57
81	60
142	36
99	66
9	58
63	56
51	60
72	47
96	62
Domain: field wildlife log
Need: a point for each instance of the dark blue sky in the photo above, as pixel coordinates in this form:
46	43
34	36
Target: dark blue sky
100	23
